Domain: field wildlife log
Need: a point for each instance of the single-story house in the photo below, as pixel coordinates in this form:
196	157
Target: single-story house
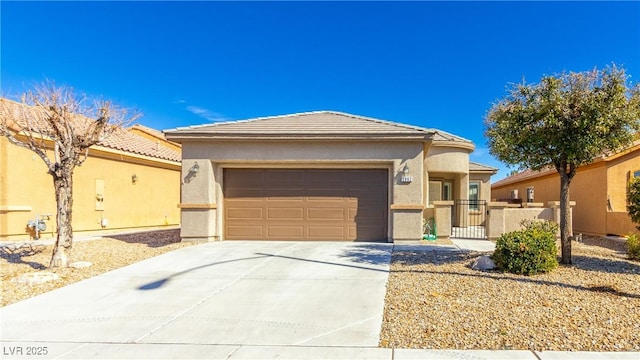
129	182
599	190
320	175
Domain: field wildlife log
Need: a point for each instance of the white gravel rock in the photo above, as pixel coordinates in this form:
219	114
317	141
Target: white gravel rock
80	264
483	263
35	278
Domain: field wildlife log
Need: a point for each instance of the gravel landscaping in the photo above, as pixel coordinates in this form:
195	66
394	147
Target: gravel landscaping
105	254
435	301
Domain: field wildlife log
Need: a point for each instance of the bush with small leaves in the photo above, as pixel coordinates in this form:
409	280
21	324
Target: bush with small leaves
528	251
633	200
633	242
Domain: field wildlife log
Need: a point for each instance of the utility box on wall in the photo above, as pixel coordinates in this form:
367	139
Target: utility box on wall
530	194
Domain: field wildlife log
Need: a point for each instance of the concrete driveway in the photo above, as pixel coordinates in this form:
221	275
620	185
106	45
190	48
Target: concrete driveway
303	294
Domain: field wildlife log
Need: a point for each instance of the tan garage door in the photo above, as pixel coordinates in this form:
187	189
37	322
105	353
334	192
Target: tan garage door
305	204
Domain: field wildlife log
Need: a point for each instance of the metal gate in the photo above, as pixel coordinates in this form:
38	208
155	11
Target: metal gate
469	219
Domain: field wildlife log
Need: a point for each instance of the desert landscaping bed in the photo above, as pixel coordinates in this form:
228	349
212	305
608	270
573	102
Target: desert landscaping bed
105	254
435	301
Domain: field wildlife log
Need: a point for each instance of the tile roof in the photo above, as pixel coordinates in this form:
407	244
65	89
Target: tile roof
125	140
522	175
474	166
314	124
530	174
122	139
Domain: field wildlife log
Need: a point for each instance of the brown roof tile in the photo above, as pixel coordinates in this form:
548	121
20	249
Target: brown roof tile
530	174
127	141
521	176
122	139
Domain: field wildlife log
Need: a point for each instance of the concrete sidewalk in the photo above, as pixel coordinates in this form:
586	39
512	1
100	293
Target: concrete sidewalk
69	350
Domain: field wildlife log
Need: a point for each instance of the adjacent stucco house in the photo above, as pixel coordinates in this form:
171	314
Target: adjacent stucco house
318	176
599	190
129	182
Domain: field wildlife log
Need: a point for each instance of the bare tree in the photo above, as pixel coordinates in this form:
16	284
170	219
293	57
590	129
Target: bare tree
53	118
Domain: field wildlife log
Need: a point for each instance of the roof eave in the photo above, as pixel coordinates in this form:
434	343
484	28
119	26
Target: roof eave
181	137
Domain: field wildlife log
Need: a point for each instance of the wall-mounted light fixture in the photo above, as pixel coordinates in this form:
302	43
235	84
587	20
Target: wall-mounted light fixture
134	179
406	178
191	173
194	169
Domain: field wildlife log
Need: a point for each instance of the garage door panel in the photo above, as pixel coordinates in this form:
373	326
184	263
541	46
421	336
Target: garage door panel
284	178
285	192
368	195
320	178
245	193
287	213
306	204
325	201
327	213
365	176
244	232
245	213
245	178
285	232
283	200
329	232
370	233
370	214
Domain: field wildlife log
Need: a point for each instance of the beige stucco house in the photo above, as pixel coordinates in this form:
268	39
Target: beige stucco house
598	189
129	182
319	176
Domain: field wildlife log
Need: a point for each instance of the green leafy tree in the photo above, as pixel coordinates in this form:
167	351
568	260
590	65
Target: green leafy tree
633	200
563	122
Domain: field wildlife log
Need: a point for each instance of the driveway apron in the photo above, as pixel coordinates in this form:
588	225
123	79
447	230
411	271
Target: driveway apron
223	293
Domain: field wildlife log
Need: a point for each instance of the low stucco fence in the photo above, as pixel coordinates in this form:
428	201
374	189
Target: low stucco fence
501	217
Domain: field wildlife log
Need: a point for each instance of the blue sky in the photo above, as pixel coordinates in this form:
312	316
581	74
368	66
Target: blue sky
430	64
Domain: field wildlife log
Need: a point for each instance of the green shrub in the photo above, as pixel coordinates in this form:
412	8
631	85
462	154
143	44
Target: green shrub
633	242
528	251
633	200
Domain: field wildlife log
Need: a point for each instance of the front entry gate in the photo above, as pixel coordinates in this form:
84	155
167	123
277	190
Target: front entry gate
469	219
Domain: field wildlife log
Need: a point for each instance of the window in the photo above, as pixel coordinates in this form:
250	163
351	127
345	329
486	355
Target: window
474	194
439	190
446	190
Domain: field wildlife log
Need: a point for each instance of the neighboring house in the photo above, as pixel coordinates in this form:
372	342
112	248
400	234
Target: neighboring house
128	182
599	190
319	176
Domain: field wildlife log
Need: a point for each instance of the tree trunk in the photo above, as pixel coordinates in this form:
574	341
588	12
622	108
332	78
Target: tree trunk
565	219
63	185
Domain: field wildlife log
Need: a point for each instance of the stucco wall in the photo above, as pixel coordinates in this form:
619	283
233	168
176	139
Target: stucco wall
619	172
25	184
205	188
485	185
503	218
588	189
447	159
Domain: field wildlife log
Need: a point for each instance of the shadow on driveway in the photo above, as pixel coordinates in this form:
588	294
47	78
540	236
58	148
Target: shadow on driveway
373	254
